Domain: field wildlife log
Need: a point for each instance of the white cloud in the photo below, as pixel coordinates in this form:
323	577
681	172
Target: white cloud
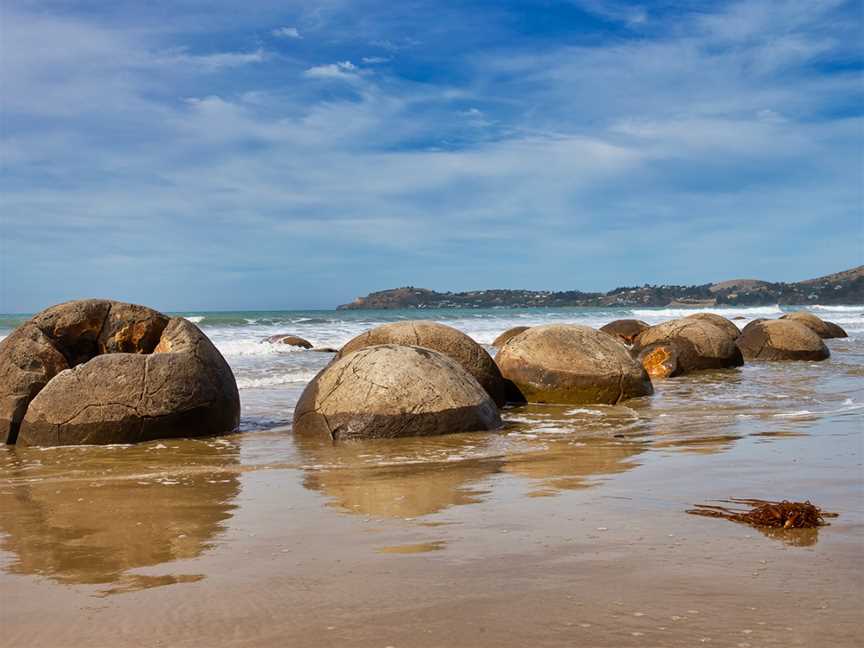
626	12
375	60
217	61
286	32
344	70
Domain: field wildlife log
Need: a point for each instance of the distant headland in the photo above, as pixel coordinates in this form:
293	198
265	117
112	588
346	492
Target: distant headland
845	287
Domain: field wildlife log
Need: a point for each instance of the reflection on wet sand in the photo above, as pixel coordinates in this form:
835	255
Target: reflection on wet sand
577	445
90	515
792	537
410	478
399	477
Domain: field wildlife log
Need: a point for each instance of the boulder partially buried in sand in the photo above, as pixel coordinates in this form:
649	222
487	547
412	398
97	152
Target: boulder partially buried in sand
289	340
508	335
571	364
444	339
387	391
97	371
719	321
625	330
825	330
697	342
782	339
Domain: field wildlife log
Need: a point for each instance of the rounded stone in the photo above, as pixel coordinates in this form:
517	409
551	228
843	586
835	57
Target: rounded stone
508	335
825	330
572	364
719	321
98	371
290	340
388	391
438	337
781	339
625	330
700	344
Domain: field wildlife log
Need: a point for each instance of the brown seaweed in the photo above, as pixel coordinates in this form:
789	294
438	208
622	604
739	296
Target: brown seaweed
767	514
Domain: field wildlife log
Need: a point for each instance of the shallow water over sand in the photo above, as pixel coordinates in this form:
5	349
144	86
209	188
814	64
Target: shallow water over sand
567	527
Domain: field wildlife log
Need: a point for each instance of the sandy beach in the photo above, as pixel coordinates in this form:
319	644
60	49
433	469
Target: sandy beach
567	527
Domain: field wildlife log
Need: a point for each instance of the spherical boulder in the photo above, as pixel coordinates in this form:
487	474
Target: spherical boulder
98	371
781	339
507	335
719	321
390	390
825	330
699	344
438	337
625	329
571	364
289	340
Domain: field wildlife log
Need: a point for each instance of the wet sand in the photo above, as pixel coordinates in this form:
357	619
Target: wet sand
566	528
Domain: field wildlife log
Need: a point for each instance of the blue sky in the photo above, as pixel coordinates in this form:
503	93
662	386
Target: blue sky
189	154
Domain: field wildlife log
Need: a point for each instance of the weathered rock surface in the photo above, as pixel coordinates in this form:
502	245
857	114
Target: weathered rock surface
625	330
387	391
290	340
567	363
719	321
781	339
825	330
699	344
97	371
660	359
438	337
507	335
28	360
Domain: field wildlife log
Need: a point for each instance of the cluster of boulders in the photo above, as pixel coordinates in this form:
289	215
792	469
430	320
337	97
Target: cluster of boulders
97	371
422	378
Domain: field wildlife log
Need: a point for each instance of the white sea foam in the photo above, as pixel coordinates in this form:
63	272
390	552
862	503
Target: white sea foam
838	309
253	347
585	410
729	312
295	377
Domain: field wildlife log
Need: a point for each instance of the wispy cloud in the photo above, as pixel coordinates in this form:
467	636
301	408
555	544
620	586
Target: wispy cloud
344	70
286	32
214	61
530	160
629	13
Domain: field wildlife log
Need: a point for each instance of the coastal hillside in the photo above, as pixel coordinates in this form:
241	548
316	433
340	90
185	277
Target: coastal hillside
845	287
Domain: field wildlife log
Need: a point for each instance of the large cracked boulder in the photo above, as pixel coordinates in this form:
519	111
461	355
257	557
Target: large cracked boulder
97	371
438	337
696	343
388	391
719	321
782	339
571	364
508	335
625	330
825	330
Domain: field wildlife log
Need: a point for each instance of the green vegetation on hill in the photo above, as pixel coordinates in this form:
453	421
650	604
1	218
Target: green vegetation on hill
845	287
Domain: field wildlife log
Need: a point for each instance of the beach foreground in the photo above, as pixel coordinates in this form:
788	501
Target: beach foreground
567	527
